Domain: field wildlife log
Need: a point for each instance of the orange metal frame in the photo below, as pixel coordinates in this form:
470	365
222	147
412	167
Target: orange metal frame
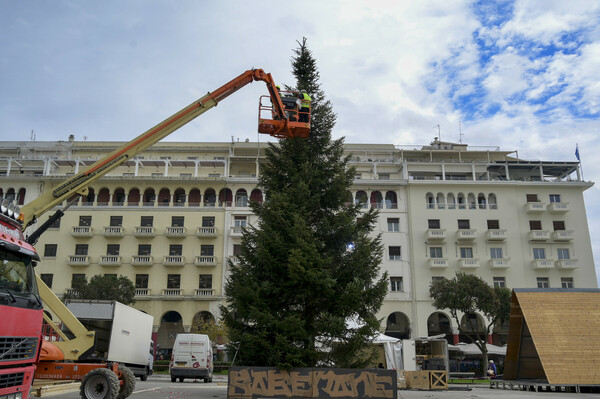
71	371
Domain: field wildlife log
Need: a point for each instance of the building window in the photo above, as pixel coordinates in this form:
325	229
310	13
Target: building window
144	249
55	224
433	223
535	225
50	250
466	252
558	225
85	221
173	281
393	224
176	221
543	282
435	252
396	284
496	253
237	250
147	221
436	279
208	221
47	279
175	250
493	224
81	249
567	282
77	277
394	253
563	253
499	282
110	275
384	176
141	280
205	281
464	224
240	221
532	198
207	250
539	253
116	221
554	197
112	249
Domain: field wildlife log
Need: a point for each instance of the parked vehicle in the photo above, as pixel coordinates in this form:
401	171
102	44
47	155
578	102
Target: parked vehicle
192	357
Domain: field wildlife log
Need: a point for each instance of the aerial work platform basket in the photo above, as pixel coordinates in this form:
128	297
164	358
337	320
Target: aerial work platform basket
296	123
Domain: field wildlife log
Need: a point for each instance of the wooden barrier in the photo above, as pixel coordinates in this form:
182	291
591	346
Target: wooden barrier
438	379
269	382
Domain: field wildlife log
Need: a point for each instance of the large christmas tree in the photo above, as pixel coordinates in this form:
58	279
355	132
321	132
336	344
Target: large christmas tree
310	264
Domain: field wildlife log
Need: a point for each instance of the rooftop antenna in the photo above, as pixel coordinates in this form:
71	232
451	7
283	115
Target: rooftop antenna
32	136
460	133
439	132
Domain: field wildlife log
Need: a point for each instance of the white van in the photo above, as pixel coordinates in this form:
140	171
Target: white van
191	358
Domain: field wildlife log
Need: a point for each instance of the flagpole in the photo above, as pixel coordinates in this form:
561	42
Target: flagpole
579	159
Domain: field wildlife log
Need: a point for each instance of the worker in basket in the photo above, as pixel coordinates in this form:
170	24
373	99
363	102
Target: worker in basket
305	101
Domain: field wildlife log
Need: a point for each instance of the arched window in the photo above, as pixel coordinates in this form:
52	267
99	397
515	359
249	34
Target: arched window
430	201
361	198
10	194
451	201
441	201
225	197
481	201
179	197
492	201
471	200
376	200
89	199
256	195
210	197
438	323
195	197
103	197
462	203
164	197
149	197
398	326
21	196
241	198
133	199
391	200
118	197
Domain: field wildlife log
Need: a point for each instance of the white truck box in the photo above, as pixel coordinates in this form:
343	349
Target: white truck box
123	334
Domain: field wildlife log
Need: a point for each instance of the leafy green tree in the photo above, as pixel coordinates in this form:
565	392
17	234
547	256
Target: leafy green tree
104	287
310	263
468	294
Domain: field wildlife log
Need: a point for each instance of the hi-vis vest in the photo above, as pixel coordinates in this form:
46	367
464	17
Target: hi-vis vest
305	100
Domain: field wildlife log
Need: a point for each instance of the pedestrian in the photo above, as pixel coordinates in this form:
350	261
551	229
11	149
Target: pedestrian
492	371
305	101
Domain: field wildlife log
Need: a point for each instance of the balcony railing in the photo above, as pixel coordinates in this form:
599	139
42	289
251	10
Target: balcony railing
141	260
78	260
539	235
467	234
468	263
175	231
113	231
500	263
206	232
173	260
436	234
558	207
203	260
71	291
110	260
145	231
438	263
534	207
82	231
203	291
566	264
171	292
563	235
543	263
236	231
496	235
142	292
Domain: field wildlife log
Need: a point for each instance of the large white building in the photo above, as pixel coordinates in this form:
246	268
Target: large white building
170	218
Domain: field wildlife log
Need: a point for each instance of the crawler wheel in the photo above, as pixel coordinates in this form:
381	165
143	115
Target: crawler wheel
128	382
100	383
173	379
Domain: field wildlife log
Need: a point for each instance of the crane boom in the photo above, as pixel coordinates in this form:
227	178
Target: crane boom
79	183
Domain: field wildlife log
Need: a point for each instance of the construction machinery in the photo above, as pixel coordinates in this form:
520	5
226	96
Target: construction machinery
23	295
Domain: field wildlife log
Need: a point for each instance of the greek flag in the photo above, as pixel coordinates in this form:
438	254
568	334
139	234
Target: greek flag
577	152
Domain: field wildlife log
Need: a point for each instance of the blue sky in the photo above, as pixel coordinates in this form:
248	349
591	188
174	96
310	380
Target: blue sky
522	75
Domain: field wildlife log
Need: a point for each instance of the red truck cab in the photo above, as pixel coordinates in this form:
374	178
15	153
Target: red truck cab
20	310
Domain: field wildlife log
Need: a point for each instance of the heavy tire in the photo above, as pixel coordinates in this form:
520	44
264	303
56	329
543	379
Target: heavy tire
100	384
173	379
144	376
128	385
180	379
